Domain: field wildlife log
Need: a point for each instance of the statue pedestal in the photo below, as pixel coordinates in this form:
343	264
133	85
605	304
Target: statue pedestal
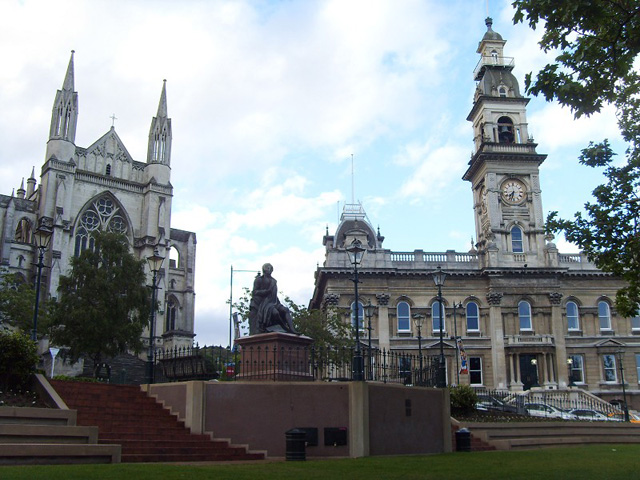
275	356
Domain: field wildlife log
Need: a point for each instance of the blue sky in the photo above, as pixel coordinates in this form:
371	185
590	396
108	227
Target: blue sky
269	100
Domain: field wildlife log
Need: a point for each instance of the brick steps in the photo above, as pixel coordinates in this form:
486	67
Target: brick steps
146	431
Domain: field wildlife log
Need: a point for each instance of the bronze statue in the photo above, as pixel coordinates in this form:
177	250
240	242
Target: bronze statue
266	313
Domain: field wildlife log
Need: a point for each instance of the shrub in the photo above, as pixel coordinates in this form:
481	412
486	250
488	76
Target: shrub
463	398
18	359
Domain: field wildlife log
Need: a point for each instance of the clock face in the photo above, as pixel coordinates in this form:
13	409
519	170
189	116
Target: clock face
513	191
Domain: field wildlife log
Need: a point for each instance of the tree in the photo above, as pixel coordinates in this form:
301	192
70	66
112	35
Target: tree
598	44
17	300
104	303
598	41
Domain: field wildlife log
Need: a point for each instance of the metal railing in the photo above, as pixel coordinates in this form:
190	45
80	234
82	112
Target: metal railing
303	363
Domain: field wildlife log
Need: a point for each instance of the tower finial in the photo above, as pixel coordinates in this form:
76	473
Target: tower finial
68	83
162	106
488	22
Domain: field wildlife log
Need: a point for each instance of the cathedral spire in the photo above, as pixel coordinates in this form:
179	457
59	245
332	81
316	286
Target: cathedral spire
159	150
64	116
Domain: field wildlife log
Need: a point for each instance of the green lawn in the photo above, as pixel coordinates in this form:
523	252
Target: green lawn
592	462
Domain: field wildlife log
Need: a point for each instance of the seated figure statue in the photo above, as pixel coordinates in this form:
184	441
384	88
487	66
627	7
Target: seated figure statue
266	313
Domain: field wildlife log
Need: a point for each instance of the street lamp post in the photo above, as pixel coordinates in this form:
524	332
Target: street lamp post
418	320
356	252
439	277
155	264
41	238
455	339
570	367
620	354
368	311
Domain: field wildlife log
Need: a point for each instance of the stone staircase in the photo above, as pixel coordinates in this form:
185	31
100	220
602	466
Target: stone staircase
44	436
529	435
146	431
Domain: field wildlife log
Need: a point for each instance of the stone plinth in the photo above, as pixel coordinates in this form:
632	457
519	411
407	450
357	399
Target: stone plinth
275	356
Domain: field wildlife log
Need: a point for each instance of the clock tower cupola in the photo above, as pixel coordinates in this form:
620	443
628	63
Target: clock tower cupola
504	167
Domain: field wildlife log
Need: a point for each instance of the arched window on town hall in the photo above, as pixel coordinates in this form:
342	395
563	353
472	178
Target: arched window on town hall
524	315
516	240
505	130
102	214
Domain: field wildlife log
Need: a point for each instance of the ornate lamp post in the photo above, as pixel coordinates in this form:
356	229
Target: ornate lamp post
418	320
155	264
620	355
455	339
41	239
356	252
438	278
369	310
570	367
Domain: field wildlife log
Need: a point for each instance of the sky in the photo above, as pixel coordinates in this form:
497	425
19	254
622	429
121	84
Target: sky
270	101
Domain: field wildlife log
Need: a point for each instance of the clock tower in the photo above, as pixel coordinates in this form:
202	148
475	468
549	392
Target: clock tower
504	168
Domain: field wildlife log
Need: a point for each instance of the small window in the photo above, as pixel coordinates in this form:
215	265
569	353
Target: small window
573	318
403	311
473	317
475	371
505	130
609	368
171	315
435	316
502	91
576	369
604	315
494	56
635	322
516	240
360	315
524	314
108	169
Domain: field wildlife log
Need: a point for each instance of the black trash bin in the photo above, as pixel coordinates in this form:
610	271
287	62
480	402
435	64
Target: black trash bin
296	444
463	440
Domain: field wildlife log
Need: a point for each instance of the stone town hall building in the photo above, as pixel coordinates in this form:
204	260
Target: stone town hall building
527	314
101	187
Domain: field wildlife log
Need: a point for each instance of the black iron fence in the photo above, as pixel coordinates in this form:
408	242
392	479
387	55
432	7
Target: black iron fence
302	363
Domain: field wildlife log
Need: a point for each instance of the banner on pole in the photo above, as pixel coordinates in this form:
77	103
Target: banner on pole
464	369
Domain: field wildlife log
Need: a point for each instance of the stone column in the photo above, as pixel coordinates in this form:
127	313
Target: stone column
497	341
383	321
558	330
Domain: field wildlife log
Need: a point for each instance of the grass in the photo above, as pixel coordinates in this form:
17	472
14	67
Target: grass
600	462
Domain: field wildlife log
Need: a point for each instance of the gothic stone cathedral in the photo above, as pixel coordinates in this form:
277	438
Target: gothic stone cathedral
101	187
527	314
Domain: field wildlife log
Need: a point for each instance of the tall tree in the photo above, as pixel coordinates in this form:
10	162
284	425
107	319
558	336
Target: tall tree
598	42
17	301
104	303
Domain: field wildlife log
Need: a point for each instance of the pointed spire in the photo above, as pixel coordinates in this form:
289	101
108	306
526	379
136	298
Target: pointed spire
68	78
33	173
162	106
21	190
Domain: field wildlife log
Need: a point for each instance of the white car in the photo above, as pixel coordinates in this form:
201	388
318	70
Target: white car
590	415
548	411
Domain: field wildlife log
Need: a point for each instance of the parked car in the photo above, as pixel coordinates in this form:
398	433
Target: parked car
619	417
489	402
544	410
589	415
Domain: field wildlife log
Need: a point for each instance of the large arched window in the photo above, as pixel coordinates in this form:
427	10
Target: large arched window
403	311
524	315
573	316
604	315
505	130
516	240
360	316
102	214
473	317
435	316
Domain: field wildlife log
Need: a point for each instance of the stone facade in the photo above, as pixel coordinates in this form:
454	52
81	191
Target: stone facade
101	187
523	310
